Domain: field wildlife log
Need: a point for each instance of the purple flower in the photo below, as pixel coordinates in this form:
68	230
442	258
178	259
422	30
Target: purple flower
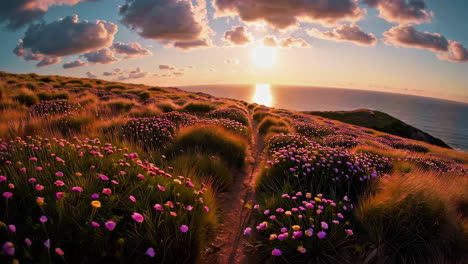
184	228
324	225
77	189
276	252
95	196
3	178
59	174
12	228
43	219
47	243
28	242
321	235
150	252
7	195
103	177
8	248
247	231
138	217
110	225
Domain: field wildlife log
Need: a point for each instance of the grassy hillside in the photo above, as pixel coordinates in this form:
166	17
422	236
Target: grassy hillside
104	172
381	122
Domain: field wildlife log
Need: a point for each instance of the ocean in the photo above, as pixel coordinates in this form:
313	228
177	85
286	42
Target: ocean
447	120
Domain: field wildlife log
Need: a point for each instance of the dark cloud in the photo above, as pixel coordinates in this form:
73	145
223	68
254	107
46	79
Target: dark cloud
456	53
15	14
271	41
136	74
166	67
350	33
74	64
237	36
282	14
177	22
103	56
91	75
130	50
69	36
408	36
402	11
28	55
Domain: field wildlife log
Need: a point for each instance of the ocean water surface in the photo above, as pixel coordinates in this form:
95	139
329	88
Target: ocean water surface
447	120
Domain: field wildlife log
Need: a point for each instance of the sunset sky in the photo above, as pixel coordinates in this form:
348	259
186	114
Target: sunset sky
403	46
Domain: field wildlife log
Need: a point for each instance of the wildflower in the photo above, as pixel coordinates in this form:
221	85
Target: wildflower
349	231
173	213
247	231
301	249
262	225
273	236
40	201
59	183
162	189
273	217
296	227
77	189
8	248
150	252
96	204
3	178
297	234
103	177
7	195
158	207
184	228
59	251
12	228
309	232
47	243
115	182
59	174
110	225
340	215
43	219
276	252
79	174
107	191
321	235
23	169
324	225
284	230
28	242
288	213
138	217
283	236
188	208
59	195
39	187
11	186
336	222
39	168
266	212
207	209
95	224
94	196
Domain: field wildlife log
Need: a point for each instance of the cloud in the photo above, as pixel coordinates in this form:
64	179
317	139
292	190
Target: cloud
136	74
18	13
402	11
178	73
102	56
28	55
179	23
272	41
232	61
456	53
130	50
69	36
114	72
350	33
282	14
408	36
237	36
74	64
91	75
166	67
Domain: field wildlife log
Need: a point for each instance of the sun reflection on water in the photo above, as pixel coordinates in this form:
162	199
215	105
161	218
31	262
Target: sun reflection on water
263	95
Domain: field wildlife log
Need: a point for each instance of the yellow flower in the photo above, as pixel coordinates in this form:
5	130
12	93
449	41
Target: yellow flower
296	227
96	204
317	199
78	174
288	213
308	195
273	236
40	201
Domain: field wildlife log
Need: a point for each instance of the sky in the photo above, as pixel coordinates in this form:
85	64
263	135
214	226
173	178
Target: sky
414	47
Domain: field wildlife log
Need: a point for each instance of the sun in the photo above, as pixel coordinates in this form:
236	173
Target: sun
263	56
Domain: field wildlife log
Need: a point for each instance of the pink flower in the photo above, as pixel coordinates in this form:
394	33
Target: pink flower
77	189
150	252
59	195
276	252
115	182
59	183
141	176
3	178
184	228
59	251
23	169
207	209
340	215
321	235
59	174
247	231
7	195
158	207
39	187
283	236
47	243
12	228
43	219
95	224
324	225
8	249
162	189
103	177
110	225
132	198
107	191
95	196
28	242
138	217
33	159
39	168
32	180
349	231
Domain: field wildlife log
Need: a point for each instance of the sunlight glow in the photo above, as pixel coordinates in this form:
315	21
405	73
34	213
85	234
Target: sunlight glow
263	56
263	95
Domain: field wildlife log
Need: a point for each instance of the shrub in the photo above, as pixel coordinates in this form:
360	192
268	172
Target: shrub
99	199
48	109
413	219
145	112
228	124
149	132
180	120
259	115
167	106
340	140
277	142
26	98
269	122
31	86
44	96
229	113
120	106
46	79
199	107
210	141
299	228
208	169
115	86
70	125
157	89
144	96
76	81
312	129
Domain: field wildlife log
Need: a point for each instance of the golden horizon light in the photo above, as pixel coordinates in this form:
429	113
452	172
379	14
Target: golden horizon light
263	94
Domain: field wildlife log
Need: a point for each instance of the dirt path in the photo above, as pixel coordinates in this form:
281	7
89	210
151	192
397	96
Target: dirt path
227	246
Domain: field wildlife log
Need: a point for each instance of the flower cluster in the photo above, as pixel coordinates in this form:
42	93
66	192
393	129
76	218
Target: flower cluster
399	143
438	165
179	119
229	113
150	131
47	109
59	195
228	124
312	129
340	140
292	140
303	226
